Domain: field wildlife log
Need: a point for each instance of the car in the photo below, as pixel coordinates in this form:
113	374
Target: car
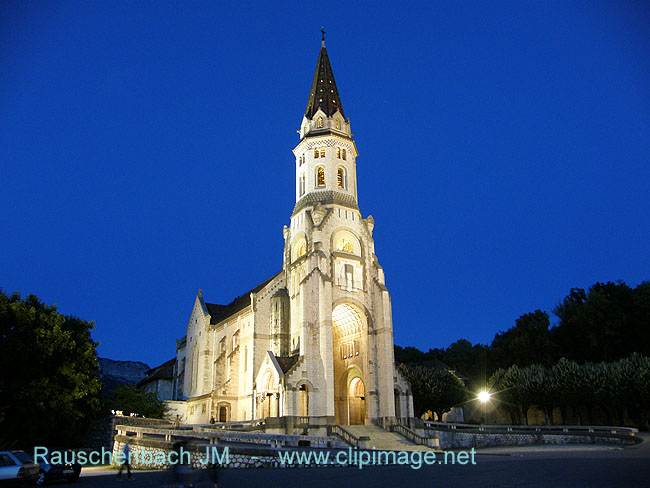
17	467
50	471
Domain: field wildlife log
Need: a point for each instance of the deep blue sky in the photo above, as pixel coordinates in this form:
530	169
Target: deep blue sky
145	152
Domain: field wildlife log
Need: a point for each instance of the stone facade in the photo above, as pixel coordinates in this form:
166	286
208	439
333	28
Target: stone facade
316	339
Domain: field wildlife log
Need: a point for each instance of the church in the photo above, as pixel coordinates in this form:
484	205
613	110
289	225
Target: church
316	339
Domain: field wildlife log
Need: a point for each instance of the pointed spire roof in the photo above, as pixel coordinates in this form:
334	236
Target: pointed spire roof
323	93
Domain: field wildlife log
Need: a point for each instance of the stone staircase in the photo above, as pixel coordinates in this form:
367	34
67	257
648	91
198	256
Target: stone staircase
384	440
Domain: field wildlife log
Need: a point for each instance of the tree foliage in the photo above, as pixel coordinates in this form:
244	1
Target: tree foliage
49	380
130	399
607	322
615	387
437	390
528	342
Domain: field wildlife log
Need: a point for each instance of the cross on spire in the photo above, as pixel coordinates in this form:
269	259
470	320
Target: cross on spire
322	39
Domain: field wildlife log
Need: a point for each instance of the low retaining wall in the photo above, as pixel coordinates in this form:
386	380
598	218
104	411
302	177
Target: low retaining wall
451	439
145	452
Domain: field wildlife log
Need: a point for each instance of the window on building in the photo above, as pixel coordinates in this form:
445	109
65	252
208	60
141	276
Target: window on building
320	176
320	122
345	246
316	152
302	250
349	276
322	151
340	178
343	154
338	153
338	124
302	185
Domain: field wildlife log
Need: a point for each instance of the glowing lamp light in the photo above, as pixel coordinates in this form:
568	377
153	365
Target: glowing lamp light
484	396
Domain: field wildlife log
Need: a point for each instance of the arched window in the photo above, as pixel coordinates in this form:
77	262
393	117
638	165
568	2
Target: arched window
303	397
302	250
338	153
320	122
345	246
320	176
344	154
340	178
302	185
338	124
322	151
316	152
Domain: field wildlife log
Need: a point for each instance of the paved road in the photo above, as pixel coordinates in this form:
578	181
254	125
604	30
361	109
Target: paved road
571	466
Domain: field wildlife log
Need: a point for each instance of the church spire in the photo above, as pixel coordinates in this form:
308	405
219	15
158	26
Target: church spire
323	93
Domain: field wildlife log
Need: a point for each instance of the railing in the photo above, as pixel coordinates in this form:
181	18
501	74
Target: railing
244	425
347	437
551	429
412	436
214	436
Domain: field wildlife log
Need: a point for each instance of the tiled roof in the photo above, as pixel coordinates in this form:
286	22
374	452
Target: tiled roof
221	312
163	372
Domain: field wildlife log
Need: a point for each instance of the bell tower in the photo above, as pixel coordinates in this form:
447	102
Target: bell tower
339	306
326	154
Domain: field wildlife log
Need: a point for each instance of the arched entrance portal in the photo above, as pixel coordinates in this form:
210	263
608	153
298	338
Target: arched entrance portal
350	332
223	413
357	402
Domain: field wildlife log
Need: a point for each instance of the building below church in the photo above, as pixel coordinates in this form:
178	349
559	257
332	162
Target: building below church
315	339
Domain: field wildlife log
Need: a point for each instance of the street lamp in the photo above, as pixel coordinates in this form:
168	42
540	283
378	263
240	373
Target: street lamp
484	398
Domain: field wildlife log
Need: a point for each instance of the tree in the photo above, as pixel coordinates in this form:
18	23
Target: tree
572	387
132	400
510	387
50	376
528	342
471	360
409	354
607	323
437	390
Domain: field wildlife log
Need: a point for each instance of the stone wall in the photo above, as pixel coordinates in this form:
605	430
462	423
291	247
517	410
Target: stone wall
450	439
103	432
149	450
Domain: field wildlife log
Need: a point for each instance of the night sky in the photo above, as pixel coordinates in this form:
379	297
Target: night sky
145	152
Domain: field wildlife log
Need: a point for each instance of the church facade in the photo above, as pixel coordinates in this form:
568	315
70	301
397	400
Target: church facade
315	339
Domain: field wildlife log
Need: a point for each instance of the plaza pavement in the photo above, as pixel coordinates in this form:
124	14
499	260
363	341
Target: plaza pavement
533	466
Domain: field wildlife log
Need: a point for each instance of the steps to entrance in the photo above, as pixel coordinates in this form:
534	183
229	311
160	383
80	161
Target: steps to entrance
384	440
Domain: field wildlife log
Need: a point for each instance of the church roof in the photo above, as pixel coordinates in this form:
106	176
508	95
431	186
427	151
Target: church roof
163	372
221	312
287	362
323	93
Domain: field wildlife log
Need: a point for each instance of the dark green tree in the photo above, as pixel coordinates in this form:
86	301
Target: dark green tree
607	323
572	388
132	400
409	354
49	374
528	342
472	360
437	390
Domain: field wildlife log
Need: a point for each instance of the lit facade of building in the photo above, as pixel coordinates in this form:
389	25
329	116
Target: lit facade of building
316	339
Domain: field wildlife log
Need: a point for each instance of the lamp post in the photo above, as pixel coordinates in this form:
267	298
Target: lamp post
484	398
